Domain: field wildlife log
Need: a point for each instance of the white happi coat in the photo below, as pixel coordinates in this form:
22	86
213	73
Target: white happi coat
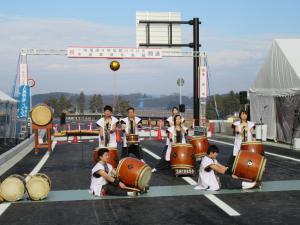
98	182
171	120
112	139
208	180
172	131
238	137
127	128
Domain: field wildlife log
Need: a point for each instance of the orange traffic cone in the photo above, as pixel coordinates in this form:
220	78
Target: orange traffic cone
75	140
159	137
118	138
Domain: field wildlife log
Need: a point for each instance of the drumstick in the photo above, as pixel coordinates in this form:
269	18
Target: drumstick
132	189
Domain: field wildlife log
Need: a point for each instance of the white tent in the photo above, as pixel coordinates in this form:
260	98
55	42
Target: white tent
8	116
275	94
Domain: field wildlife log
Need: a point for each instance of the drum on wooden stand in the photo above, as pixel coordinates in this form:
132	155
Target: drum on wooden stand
113	156
253	146
134	173
249	166
132	139
38	186
13	188
183	159
41	115
200	144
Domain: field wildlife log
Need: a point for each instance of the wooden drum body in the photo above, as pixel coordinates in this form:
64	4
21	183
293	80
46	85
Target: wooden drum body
134	173
13	188
253	146
200	144
132	138
249	166
41	115
38	186
113	157
182	159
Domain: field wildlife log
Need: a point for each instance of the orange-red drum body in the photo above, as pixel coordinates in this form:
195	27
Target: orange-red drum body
249	166
253	146
113	157
182	156
132	138
134	173
200	144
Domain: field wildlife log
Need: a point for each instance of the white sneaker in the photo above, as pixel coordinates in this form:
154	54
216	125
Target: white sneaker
199	187
153	170
132	193
248	185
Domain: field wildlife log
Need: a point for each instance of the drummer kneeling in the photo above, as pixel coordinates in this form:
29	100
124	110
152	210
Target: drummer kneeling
225	179
103	181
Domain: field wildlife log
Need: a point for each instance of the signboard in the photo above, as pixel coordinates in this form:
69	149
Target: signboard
23	74
24	101
159	33
114	52
203	83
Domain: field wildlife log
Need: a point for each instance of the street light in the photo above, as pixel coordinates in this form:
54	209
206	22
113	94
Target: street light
180	83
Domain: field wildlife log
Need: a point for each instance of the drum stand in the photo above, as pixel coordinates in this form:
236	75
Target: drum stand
136	145
47	144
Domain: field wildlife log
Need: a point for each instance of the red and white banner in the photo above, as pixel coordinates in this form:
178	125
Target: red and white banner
114	53
203	82
23	74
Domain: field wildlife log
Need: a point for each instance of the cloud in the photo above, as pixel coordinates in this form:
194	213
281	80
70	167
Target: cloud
228	58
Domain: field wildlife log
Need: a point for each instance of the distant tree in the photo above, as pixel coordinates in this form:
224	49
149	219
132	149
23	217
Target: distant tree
80	102
64	103
121	106
53	103
95	104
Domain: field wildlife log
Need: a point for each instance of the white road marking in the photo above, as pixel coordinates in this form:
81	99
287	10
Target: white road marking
222	205
268	153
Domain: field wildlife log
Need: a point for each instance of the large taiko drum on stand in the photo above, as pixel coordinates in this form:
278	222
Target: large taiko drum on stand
200	144
113	156
132	139
253	146
41	115
38	186
249	166
183	159
134	173
13	188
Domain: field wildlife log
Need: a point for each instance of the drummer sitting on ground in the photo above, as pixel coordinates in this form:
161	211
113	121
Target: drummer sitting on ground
103	181
175	134
225	179
130	125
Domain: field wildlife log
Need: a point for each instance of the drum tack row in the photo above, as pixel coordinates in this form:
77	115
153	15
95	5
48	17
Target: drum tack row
14	187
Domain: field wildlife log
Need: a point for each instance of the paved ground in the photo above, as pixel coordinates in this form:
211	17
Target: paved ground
69	168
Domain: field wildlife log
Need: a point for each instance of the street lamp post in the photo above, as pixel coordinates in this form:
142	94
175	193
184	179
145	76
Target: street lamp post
180	83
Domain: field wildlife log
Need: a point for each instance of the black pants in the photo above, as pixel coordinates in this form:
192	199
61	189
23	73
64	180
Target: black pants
227	182
113	190
231	162
134	149
163	164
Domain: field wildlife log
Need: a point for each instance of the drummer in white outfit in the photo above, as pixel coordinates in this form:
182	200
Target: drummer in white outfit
103	179
107	132
130	125
224	179
170	119
176	134
244	131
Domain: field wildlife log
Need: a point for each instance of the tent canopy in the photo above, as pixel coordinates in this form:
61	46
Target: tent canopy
5	98
280	72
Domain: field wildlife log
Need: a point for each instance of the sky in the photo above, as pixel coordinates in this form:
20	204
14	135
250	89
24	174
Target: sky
235	35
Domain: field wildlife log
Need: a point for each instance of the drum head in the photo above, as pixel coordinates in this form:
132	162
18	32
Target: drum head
12	188
144	177
38	186
41	115
182	145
